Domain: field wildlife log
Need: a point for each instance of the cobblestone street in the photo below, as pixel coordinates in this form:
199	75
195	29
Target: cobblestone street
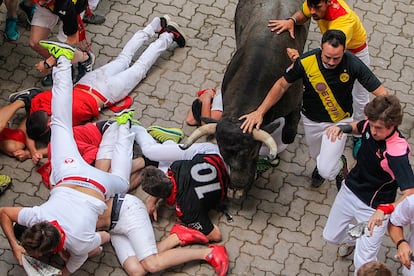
277	229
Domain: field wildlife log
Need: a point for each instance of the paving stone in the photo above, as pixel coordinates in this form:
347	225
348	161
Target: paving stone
277	229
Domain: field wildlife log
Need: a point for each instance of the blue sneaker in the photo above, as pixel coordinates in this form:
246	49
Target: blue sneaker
11	29
357	146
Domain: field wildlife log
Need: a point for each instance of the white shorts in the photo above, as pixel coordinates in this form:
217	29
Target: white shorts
133	235
43	17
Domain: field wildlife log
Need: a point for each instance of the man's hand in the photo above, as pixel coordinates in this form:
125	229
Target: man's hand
282	25
375	220
333	133
207	96
36	157
18	251
404	254
21	154
293	54
151	205
252	119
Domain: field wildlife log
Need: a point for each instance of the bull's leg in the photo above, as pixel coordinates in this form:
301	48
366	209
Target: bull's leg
291	127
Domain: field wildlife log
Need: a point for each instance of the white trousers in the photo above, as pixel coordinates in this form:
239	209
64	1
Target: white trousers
133	235
347	208
168	152
277	136
326	153
360	95
117	79
65	157
93	4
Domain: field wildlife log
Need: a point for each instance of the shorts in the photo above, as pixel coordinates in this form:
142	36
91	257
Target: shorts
133	234
43	17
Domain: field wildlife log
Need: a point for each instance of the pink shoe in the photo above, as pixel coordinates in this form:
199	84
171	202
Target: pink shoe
218	259
188	235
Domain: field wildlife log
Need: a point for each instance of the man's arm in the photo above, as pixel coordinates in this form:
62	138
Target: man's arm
380	91
255	118
378	217
298	18
404	251
9	215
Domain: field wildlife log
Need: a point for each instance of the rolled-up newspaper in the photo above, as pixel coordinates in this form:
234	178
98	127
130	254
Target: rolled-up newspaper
34	267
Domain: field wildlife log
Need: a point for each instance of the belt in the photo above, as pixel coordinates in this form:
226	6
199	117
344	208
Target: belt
107	103
359	49
84	179
95	92
116	209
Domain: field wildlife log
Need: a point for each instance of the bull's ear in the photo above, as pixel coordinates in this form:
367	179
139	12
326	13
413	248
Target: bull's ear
271	127
208	120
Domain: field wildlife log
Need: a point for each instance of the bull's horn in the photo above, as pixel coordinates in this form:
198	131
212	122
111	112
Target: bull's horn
267	139
199	132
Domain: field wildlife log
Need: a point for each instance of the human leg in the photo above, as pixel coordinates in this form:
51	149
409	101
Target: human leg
328	161
66	160
99	78
11	20
120	85
168	152
367	247
277	135
313	138
340	216
7	112
122	158
28	7
42	23
133	240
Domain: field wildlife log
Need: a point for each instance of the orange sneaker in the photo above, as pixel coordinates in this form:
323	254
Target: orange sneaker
218	259
188	235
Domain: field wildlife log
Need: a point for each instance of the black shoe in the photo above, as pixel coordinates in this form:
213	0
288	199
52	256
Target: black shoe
164	23
343	173
179	36
26	96
85	66
95	19
317	180
47	80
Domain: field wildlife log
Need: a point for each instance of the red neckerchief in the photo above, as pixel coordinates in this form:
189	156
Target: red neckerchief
171	199
59	247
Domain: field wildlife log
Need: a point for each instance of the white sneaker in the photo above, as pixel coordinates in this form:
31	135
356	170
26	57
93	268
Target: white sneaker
344	250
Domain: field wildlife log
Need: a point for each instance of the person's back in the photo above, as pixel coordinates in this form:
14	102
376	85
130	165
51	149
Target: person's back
205	177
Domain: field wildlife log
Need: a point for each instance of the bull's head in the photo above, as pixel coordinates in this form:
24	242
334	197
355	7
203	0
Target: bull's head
239	150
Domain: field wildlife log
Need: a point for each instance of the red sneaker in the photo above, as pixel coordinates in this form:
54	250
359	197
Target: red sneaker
218	259
188	235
